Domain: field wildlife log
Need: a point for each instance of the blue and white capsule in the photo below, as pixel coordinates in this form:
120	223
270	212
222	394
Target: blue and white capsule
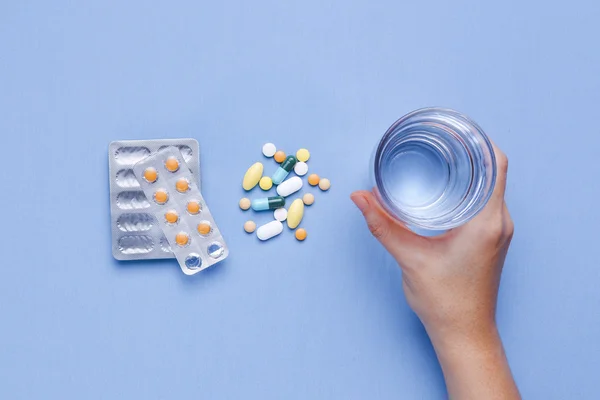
268	203
284	169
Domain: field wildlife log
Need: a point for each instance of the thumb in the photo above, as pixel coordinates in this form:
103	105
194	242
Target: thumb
392	235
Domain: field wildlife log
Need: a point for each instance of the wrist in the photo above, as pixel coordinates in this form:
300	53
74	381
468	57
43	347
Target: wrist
462	349
478	337
474	364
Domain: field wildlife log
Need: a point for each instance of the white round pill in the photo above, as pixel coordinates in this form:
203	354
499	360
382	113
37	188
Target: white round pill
289	186
280	214
301	168
267	231
269	149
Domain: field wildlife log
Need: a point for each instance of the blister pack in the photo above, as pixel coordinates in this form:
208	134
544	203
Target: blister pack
136	234
180	209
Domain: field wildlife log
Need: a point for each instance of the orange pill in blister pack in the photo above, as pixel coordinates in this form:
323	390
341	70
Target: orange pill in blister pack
171	164
204	228
171	217
161	196
193	207
150	175
182	239
182	185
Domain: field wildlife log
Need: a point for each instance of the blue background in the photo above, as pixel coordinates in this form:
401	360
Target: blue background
324	319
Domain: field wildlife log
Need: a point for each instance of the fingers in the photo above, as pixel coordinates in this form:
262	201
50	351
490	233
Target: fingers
378	224
393	236
492	215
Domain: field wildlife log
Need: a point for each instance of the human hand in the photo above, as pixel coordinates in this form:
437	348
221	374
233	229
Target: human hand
451	281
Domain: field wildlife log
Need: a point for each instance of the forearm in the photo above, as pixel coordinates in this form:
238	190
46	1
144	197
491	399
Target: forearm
475	366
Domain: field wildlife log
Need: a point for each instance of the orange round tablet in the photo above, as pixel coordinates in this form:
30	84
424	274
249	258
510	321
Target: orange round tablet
301	234
204	228
279	156
171	217
161	196
182	239
150	175
172	164
182	185
193	207
313	179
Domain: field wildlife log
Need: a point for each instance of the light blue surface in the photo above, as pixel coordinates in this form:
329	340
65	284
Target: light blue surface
325	319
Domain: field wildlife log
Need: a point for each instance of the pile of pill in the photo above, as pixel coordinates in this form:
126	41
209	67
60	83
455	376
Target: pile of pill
284	187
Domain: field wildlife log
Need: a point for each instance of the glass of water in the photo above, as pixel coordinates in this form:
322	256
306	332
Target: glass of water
434	169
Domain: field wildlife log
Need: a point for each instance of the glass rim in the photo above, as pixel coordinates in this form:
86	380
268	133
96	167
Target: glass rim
447	220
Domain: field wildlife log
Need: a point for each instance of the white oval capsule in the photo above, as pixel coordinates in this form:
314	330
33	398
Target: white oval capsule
267	231
289	186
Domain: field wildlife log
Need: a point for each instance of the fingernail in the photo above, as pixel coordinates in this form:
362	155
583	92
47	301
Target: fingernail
360	201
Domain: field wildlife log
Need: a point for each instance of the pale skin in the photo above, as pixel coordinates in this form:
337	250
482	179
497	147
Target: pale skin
451	282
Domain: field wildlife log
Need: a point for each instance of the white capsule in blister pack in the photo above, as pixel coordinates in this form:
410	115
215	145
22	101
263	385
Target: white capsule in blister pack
181	212
136	234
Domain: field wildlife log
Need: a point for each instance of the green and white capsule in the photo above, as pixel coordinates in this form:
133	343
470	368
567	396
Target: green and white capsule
284	169
268	203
